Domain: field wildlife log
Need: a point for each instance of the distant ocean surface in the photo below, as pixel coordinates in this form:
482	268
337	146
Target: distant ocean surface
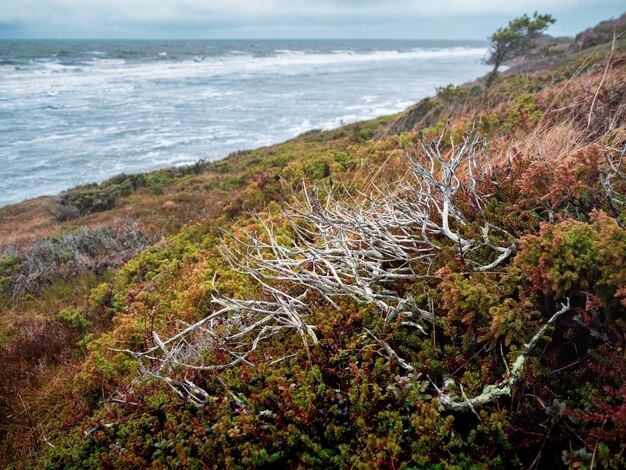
73	112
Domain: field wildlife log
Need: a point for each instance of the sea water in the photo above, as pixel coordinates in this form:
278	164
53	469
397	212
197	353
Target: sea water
73	112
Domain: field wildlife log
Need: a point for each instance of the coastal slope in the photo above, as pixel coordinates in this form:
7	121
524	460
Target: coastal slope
441	288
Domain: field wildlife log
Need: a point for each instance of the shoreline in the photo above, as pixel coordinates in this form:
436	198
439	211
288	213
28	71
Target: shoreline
203	161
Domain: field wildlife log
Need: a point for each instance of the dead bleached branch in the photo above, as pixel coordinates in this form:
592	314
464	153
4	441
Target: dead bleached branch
492	392
438	183
614	178
337	244
70	254
223	339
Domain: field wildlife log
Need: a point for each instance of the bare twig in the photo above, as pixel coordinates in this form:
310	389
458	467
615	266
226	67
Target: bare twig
490	393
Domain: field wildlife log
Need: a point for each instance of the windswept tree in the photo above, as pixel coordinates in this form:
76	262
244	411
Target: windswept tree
515	39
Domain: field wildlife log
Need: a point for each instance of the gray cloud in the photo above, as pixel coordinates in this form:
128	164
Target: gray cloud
288	18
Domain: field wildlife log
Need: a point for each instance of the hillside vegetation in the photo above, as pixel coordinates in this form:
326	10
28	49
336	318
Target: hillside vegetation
442	288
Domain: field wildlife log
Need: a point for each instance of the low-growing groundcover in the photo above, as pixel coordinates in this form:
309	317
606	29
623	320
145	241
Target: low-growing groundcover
421	314
348	401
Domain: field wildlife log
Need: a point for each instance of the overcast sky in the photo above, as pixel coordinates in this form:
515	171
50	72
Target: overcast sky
419	19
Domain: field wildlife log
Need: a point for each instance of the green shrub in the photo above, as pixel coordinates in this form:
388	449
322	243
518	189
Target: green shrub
574	256
73	319
452	94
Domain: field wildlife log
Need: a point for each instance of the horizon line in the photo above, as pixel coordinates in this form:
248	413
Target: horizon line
233	39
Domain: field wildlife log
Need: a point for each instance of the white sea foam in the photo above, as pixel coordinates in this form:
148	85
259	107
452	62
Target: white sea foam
102	71
63	124
301	127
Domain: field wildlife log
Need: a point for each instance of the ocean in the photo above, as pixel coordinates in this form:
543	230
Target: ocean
74	112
